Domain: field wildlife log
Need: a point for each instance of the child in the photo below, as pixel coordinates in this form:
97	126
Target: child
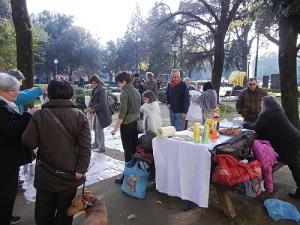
151	110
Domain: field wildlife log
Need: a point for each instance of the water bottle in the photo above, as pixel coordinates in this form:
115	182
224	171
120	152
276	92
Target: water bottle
196	133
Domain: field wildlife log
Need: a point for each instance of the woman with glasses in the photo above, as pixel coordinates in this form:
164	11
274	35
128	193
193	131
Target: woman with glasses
12	125
249	100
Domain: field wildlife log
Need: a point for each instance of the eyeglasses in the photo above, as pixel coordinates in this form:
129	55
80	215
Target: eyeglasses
12	90
251	84
94	83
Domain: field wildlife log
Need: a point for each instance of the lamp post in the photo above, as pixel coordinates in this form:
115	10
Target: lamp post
55	62
174	50
248	64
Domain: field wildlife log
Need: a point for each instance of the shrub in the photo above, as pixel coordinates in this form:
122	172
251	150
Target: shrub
79	101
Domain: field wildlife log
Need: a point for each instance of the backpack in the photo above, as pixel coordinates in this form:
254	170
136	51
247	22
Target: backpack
231	172
237	146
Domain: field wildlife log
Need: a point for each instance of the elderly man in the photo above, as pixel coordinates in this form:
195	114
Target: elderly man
177	100
249	101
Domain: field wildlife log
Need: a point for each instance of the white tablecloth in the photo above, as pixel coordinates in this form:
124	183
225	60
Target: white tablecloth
182	169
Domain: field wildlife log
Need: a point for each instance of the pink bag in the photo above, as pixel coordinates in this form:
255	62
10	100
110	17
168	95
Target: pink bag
267	157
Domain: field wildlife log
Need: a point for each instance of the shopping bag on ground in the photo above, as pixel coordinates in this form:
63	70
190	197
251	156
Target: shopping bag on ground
135	179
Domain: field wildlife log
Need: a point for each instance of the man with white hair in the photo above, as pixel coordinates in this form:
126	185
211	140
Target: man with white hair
177	100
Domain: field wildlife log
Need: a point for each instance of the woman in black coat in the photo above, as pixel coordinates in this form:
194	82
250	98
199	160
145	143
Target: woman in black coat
12	125
273	125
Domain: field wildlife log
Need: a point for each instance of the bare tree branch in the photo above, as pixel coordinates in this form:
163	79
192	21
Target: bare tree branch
197	18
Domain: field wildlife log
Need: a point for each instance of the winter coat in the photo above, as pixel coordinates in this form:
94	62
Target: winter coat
101	106
275	127
151	85
130	104
152	117
267	157
248	103
55	148
27	97
12	125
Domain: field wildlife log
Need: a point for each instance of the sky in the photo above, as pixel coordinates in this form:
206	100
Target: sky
105	19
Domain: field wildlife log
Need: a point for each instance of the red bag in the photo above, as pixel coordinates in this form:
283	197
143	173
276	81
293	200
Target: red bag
231	172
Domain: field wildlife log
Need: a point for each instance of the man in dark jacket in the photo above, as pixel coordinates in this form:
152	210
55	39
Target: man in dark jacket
177	100
249	101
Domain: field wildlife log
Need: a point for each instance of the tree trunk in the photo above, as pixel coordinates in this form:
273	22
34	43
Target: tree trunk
287	67
23	30
217	70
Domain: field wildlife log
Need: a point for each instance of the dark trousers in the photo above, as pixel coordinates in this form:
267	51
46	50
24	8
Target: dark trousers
294	166
8	192
50	207
129	138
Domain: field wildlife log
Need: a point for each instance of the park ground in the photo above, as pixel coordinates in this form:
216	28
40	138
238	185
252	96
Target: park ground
161	209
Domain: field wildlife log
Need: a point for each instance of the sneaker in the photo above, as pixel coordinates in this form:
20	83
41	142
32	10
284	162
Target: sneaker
15	219
20	182
21	190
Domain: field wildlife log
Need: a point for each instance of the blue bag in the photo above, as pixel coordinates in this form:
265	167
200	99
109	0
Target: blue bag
278	209
135	179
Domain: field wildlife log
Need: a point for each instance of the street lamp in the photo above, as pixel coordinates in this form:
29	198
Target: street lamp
175	49
55	62
248	64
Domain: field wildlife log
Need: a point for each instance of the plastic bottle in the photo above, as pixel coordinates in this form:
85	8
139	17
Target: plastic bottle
214	135
196	132
205	134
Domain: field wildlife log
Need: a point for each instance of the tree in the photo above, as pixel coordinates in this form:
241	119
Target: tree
284	15
24	41
5	10
216	15
7	45
158	40
289	28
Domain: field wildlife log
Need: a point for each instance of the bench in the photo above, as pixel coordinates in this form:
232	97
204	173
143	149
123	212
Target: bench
225	198
228	94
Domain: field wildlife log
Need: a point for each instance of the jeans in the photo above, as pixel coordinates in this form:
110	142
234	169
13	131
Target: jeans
177	121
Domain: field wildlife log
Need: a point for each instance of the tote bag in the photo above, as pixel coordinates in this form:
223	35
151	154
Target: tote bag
135	179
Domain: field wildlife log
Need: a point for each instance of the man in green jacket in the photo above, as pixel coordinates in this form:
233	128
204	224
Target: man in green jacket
130	104
249	101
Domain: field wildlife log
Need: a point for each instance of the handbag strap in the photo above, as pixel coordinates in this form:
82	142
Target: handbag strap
60	125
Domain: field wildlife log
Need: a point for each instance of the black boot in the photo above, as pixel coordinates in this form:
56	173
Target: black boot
296	194
120	180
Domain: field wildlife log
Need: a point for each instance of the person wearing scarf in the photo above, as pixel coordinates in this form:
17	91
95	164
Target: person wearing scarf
177	100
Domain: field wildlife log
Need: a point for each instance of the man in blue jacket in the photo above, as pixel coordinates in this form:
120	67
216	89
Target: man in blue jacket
177	100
